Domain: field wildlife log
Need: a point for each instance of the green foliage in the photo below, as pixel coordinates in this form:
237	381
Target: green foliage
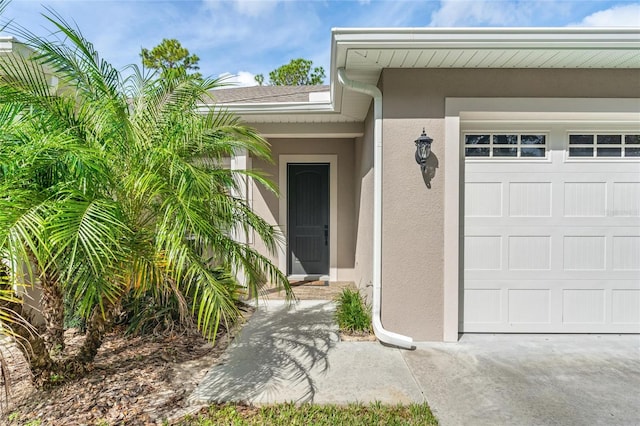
309	414
115	184
56	378
297	72
352	313
170	58
158	311
72	318
151	313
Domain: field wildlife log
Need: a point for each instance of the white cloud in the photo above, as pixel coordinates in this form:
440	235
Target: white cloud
460	13
241	79
618	16
456	13
251	8
255	7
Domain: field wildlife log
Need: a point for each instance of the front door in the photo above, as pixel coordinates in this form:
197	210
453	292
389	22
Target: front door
308	219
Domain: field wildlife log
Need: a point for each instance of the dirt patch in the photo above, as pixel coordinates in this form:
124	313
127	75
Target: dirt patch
357	337
133	381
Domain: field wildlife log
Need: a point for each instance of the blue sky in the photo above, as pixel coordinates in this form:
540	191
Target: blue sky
246	37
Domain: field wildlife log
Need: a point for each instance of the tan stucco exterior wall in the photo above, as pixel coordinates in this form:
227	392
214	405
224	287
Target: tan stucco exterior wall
413	215
363	188
31	297
266	203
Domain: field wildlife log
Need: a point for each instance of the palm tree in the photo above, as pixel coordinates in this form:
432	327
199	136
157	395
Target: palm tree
114	187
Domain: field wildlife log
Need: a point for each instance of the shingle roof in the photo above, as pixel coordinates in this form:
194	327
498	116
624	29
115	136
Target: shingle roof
266	94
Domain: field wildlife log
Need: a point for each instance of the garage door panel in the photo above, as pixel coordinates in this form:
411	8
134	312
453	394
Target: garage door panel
483	199
626	306
483	306
583	306
584	253
551	245
543	275
483	252
626	199
562	253
529	199
529	307
626	253
539	306
585	199
529	252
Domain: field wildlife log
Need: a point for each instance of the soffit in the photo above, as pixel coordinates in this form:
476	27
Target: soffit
365	52
491	58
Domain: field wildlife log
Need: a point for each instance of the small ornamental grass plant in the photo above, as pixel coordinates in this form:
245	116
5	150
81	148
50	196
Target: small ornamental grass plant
352	313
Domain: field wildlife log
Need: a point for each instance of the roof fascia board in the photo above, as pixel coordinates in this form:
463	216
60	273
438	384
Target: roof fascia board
273	107
485	37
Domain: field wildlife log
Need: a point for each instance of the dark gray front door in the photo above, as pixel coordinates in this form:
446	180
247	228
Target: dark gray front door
308	218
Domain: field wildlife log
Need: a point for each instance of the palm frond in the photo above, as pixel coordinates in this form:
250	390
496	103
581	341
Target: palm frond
118	185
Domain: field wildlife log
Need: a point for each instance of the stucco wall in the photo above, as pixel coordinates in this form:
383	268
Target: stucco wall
31	296
363	188
266	203
413	215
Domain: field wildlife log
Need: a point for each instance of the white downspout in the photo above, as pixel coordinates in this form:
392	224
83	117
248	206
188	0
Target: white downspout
381	333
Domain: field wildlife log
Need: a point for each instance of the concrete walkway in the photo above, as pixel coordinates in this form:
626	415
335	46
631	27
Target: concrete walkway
293	354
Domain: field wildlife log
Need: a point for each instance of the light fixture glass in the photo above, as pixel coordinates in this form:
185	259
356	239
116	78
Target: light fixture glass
423	149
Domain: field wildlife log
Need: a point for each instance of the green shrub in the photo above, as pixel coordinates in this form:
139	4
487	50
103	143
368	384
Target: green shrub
72	317
352	313
157	311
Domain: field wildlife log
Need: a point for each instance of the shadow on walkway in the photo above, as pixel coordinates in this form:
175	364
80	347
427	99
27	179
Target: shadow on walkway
275	356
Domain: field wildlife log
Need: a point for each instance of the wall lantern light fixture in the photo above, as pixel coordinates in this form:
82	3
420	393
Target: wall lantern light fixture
423	149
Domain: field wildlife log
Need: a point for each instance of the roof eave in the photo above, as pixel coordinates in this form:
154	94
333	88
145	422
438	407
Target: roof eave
345	39
273	108
479	36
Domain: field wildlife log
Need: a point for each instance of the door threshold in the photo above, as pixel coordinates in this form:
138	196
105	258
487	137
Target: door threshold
316	277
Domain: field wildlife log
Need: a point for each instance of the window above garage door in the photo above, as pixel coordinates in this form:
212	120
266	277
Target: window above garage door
505	145
604	145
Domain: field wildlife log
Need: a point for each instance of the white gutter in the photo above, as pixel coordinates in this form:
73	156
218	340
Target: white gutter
483	38
271	107
381	333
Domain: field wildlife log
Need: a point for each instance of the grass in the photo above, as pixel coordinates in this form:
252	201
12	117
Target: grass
352	313
290	414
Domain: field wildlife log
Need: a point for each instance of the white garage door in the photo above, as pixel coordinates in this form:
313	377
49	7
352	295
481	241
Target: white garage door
551	228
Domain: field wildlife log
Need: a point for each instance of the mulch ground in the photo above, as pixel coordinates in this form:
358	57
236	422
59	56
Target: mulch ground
133	381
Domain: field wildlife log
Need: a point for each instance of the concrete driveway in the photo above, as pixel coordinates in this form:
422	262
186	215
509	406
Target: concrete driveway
292	353
531	379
